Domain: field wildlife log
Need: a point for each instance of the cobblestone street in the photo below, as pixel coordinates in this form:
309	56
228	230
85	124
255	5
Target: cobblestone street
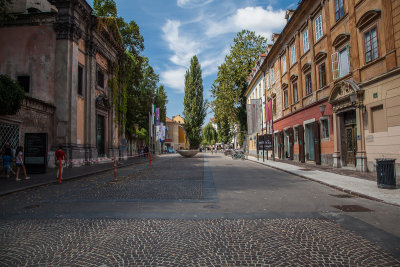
200	211
219	242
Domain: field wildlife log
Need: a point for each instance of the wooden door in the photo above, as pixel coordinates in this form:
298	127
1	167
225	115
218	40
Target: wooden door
279	145
301	144
351	144
317	143
291	142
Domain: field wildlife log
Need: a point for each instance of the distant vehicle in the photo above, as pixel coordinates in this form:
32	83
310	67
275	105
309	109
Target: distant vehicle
171	150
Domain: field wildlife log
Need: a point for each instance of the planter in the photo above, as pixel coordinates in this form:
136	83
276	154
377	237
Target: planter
188	153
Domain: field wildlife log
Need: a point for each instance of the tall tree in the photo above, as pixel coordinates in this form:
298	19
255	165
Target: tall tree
231	83
161	101
194	105
209	134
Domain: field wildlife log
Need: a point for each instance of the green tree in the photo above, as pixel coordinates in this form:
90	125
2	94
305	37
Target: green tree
4	11
232	80
224	131
11	96
194	105
161	101
209	135
105	8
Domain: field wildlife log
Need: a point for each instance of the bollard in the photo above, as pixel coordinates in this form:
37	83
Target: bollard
150	157
115	169
59	172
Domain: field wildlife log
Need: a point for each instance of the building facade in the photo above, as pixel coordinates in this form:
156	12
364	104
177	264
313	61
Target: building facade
64	57
333	77
175	134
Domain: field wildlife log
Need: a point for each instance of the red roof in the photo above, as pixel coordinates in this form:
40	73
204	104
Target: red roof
168	119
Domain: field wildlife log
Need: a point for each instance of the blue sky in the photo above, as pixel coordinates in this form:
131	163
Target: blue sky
175	30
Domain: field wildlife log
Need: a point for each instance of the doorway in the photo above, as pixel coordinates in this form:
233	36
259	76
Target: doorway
350	137
309	142
100	136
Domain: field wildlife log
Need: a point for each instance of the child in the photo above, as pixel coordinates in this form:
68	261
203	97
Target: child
6	164
20	163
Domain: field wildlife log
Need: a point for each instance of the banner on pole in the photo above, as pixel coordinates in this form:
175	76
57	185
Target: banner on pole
254	116
268	116
157	116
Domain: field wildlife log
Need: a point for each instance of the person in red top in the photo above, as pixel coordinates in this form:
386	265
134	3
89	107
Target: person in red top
60	156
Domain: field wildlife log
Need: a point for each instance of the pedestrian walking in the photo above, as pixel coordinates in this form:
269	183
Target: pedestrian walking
7	163
60	156
20	163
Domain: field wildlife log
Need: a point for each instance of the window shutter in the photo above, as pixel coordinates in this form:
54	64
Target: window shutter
335	65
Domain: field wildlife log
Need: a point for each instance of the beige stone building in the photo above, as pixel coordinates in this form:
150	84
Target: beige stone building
64	57
333	76
175	135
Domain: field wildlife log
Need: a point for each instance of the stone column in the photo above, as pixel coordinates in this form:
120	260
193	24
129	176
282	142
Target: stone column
336	141
90	102
361	156
67	33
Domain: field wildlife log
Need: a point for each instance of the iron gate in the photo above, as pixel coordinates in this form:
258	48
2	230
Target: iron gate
9	133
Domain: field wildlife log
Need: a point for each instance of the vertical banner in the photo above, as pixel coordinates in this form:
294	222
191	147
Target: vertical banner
268	116
151	124
254	116
157	116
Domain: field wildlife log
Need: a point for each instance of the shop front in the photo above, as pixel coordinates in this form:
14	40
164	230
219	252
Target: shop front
305	135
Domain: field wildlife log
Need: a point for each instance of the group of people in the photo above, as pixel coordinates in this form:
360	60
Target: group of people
8	157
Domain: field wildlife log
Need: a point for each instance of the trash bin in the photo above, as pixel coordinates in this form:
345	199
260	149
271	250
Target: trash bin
386	173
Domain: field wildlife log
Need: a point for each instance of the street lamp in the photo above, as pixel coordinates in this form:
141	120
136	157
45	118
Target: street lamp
322	109
353	98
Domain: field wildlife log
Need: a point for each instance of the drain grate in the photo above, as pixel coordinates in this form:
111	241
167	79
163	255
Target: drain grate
305	170
31	207
342	195
352	208
211	206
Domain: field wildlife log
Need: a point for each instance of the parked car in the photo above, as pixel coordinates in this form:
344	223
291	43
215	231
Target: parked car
171	150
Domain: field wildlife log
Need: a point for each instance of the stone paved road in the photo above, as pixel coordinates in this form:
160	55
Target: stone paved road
195	212
174	242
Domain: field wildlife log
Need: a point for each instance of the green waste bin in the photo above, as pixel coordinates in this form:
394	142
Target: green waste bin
386	173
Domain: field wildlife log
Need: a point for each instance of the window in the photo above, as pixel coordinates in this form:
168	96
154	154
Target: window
100	78
272	76
296	134
24	81
292	54
322	75
339	12
80	80
340	63
325	128
274	106
308	84
378	119
371	45
306	45
283	64
295	98
285	93
318	28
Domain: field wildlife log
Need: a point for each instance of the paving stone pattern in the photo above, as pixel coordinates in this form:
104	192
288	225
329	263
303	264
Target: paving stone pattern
176	242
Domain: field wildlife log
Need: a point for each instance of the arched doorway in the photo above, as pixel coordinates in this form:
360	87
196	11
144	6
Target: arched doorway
346	99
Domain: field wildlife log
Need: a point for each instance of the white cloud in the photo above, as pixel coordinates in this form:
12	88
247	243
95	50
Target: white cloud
262	21
174	78
192	3
183	47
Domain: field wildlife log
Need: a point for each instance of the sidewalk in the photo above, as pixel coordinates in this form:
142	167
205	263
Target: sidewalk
9	185
352	182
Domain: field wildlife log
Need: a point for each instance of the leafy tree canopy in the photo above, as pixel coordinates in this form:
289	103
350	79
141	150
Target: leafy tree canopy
228	89
11	96
210	136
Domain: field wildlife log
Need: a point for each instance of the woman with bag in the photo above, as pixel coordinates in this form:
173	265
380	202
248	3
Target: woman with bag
20	163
